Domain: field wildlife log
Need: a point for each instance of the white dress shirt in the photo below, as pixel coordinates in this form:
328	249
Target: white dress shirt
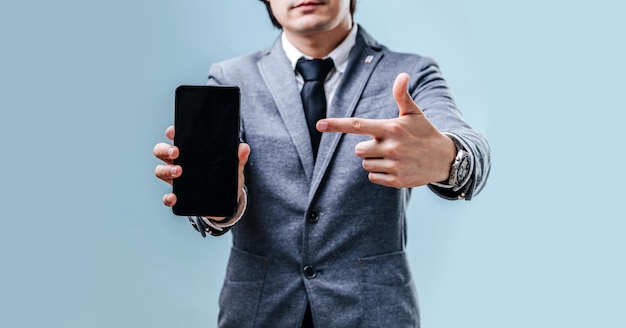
339	56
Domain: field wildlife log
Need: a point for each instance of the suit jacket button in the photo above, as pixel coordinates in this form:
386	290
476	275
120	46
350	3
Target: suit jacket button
309	272
313	216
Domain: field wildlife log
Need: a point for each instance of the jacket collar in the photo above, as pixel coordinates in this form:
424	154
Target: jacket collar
275	66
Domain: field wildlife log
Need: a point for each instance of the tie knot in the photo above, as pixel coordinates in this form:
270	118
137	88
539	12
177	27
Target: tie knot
314	69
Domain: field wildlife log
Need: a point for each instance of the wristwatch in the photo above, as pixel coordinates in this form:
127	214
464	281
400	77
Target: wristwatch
460	171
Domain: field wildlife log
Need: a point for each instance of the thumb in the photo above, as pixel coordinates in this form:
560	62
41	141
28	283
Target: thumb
243	153
406	105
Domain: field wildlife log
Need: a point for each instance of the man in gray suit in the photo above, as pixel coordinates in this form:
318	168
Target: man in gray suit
319	237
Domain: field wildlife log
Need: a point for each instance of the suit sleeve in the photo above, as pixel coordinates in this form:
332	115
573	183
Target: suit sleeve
432	94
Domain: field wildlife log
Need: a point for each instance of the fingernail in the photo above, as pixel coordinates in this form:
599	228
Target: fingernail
170	151
322	125
173	171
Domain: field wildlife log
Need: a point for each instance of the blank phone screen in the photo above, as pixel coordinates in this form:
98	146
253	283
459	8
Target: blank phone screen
207	135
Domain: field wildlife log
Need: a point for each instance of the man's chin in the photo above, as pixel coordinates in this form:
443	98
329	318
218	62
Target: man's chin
310	25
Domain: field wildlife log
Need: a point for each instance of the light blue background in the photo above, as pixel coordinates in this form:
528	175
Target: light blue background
86	91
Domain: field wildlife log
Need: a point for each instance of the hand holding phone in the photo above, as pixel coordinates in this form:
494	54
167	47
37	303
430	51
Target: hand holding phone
207	136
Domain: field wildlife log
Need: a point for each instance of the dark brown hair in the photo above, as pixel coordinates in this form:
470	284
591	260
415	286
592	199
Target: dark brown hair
277	24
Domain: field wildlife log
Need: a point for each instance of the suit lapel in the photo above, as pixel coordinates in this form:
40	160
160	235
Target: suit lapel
363	59
280	79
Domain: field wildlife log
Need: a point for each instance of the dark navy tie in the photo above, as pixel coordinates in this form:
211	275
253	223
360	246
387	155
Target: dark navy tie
314	72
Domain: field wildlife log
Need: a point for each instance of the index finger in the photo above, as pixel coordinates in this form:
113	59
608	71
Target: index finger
353	125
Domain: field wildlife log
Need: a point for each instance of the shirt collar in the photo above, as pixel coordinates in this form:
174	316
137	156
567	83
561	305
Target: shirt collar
339	55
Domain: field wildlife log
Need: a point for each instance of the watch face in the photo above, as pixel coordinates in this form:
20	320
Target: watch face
463	170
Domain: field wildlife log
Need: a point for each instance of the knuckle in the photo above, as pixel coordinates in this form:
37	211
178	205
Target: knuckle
394	127
157	149
392	150
160	151
168	200
157	170
356	124
393	181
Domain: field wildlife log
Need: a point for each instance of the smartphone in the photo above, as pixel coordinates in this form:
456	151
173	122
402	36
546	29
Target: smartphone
206	122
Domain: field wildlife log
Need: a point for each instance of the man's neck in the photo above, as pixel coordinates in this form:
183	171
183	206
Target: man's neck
319	45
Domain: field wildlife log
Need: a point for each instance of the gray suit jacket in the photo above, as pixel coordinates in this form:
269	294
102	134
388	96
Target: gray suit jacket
320	231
